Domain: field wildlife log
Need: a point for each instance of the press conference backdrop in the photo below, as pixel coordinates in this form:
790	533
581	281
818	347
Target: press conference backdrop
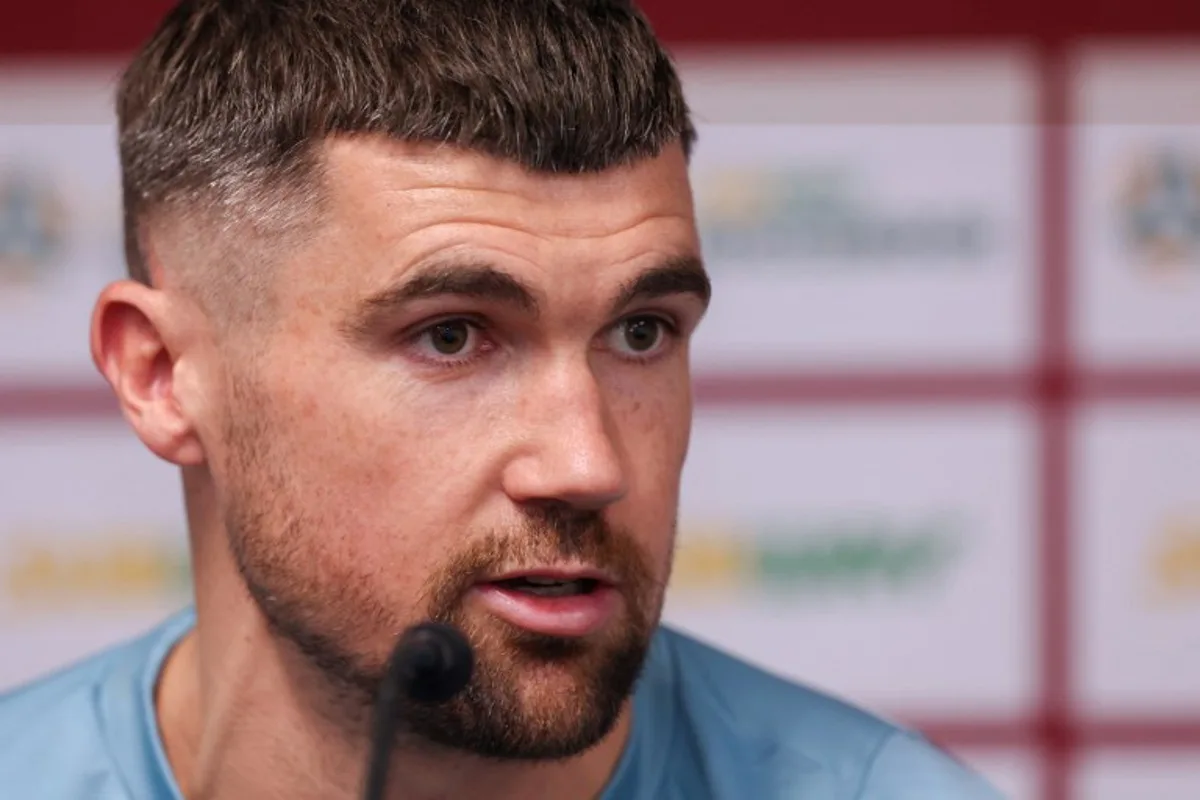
947	444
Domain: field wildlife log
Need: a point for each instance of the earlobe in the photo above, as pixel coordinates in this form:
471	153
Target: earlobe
134	347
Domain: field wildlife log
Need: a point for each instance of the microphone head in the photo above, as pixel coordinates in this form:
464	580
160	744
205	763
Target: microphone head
432	662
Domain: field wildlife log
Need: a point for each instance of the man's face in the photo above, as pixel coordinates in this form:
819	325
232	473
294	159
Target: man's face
474	407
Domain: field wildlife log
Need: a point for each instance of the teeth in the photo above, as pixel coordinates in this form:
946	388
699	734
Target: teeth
543	586
545	581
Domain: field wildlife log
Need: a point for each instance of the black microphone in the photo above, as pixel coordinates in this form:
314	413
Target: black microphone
431	663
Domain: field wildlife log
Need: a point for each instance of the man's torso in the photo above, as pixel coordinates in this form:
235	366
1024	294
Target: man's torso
706	727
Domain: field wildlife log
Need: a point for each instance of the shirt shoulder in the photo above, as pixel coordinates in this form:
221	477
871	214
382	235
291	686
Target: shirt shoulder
907	767
761	735
71	734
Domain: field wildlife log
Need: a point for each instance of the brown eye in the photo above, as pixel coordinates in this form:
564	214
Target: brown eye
451	337
642	333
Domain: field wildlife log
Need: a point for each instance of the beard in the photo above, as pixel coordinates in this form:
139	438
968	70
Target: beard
531	696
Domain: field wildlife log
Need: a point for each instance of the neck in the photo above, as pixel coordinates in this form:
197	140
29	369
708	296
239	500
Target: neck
243	715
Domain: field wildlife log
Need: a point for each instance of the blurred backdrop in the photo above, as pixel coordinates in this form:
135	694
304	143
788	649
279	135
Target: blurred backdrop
946	460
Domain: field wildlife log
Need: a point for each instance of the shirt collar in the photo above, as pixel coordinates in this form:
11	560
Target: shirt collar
127	708
128	713
641	770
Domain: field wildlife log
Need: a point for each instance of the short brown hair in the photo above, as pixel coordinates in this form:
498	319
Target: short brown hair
227	100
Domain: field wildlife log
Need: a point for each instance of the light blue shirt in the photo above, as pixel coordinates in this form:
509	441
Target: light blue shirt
706	727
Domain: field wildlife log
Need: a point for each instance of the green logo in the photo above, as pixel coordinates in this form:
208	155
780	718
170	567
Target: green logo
842	556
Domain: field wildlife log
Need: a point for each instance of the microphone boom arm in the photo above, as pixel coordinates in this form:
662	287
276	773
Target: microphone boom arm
430	664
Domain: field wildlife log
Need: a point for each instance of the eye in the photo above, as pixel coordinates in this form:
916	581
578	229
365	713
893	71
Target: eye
640	337
450	342
451	337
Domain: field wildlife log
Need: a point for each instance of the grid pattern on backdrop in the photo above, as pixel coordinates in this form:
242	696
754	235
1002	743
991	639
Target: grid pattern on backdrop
1058	387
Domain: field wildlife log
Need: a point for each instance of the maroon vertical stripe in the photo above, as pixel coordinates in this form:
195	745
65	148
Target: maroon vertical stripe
1055	398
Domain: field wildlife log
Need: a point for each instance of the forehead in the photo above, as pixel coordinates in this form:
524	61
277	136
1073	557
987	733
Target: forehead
401	201
370	169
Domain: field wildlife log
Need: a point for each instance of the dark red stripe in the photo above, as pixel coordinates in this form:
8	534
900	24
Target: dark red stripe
1055	725
1156	383
88	27
1111	732
1142	733
780	388
52	401
978	732
49	403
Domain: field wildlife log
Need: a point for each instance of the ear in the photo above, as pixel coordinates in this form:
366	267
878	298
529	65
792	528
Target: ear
136	349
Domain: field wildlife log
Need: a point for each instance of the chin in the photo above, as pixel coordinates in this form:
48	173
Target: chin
538	697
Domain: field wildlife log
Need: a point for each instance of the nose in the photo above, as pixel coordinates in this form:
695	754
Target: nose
569	451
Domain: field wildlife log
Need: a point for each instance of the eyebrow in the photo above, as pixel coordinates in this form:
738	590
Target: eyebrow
480	280
441	278
677	275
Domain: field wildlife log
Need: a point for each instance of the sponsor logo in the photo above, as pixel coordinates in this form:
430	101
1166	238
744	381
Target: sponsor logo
838	556
841	556
33	226
55	573
825	218
1160	210
1175	561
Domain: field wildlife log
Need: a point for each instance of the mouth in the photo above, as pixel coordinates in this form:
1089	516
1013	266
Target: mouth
552	582
568	603
546	587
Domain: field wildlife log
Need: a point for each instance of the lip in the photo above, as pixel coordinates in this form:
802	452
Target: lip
570	616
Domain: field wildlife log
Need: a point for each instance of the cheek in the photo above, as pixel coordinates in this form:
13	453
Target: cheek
655	425
399	471
369	526
655	417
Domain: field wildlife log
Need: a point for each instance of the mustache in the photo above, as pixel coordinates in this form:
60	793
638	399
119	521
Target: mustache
573	531
546	534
